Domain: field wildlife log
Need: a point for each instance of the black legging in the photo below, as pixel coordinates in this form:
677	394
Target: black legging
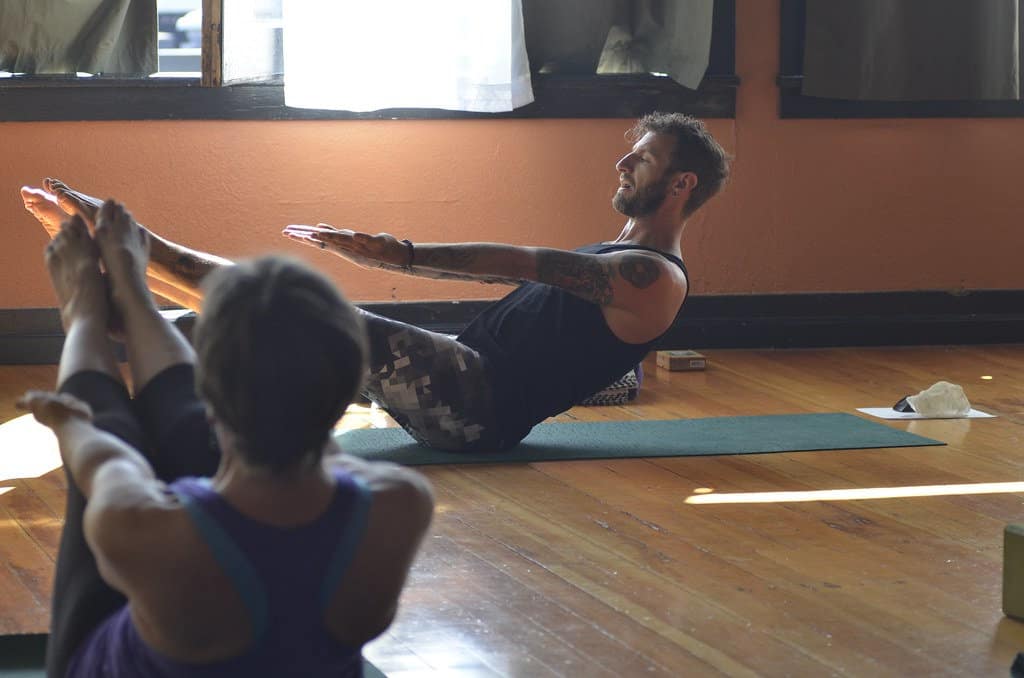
167	423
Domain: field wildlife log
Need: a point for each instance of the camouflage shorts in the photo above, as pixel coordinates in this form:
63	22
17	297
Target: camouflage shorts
435	387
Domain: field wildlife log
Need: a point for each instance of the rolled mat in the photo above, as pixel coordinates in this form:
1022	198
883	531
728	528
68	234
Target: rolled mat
659	438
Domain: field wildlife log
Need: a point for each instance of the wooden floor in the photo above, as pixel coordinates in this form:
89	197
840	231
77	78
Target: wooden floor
602	568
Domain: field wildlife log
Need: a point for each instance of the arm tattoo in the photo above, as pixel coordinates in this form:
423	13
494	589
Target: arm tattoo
429	261
452	258
638	270
581	274
419	272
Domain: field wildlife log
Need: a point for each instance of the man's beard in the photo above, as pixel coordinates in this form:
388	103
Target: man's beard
644	201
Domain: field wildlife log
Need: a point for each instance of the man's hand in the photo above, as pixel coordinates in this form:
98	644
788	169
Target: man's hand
370	251
54	409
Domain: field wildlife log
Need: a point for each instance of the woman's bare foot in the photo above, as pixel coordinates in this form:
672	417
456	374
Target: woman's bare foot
124	250
45	208
72	260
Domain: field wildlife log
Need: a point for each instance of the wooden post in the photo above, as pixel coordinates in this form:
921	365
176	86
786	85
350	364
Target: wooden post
213	43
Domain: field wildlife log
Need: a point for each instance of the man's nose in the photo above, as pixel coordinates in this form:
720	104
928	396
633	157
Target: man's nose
625	163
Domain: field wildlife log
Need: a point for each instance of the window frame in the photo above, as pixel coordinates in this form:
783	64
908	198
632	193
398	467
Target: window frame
793	104
206	98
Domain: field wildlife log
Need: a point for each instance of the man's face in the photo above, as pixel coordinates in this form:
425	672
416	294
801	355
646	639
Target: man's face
643	176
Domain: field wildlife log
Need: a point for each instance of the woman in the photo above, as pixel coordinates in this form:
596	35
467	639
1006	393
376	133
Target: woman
284	562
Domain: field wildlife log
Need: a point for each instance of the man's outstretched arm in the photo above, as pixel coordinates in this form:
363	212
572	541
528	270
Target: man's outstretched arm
626	279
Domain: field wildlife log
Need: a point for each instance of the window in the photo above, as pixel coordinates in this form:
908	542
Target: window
793	81
180	38
100	39
239	78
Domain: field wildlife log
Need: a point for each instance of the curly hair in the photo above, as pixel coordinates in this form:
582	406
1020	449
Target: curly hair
695	151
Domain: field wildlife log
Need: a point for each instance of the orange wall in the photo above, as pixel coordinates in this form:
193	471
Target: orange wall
830	205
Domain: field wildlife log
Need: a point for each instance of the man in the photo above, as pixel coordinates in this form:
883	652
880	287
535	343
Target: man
291	556
578	321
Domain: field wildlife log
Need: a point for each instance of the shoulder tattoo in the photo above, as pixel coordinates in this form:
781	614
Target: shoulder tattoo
638	270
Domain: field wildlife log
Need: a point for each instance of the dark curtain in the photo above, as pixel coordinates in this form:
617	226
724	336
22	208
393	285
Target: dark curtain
620	36
113	37
912	50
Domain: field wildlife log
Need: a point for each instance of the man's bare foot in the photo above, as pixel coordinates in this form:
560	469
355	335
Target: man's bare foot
44	207
124	250
72	201
55	202
72	260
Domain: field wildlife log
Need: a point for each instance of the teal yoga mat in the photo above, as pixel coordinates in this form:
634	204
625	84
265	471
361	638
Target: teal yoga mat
661	438
23	656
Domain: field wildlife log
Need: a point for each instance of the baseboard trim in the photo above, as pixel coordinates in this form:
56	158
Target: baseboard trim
34	335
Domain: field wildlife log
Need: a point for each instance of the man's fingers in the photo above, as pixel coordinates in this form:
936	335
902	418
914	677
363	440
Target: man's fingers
317	236
306	240
306	228
300	230
325	230
298	236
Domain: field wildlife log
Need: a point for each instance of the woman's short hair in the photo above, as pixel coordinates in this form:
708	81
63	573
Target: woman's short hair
280	355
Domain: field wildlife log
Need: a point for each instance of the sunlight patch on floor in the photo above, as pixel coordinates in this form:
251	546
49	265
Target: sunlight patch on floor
27	449
854	494
364	416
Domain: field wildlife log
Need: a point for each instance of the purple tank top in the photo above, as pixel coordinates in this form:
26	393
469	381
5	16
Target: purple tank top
285	576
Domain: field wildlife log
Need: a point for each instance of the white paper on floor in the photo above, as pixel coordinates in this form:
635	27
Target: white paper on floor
889	413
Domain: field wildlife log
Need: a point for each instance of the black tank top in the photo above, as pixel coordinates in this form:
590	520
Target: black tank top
547	350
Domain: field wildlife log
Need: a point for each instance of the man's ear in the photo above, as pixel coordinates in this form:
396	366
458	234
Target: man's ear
686	181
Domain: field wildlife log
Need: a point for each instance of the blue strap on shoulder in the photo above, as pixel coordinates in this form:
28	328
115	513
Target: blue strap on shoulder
235	564
349	542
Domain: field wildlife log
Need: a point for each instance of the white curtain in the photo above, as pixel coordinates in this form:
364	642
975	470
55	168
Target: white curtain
367	55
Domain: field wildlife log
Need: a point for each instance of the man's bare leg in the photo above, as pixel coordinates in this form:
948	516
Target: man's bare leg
174	271
152	343
46	209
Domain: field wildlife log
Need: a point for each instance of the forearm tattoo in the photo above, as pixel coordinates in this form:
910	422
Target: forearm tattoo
429	264
581	274
187	267
448	258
